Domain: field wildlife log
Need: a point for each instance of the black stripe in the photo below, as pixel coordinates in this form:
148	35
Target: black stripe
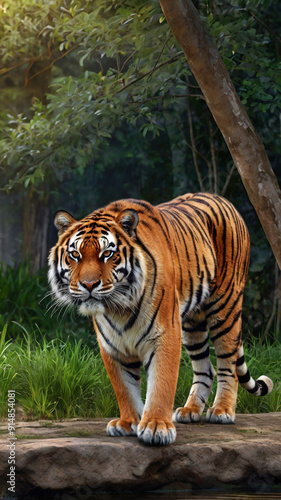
180	269
142	203
195	222
240	361
201	355
225	273
174	240
167	236
226	330
152	258
262	386
196	253
207	270
199	291
152	321
254	390
124	251
135	314
218	202
99	228
159	224
195	347
131	260
244	379
211	304
182	231
122	270
133	375
221	306
204	374
169	214
62	273
55	264
147	365
186	309
220	323
199	327
133	365
200	382
105	337
113	326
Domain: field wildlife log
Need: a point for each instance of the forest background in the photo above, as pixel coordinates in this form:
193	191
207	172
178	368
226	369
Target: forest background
98	103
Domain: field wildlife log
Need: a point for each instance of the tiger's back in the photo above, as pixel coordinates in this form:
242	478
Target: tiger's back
210	236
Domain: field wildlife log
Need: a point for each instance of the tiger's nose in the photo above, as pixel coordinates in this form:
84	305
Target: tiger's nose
90	285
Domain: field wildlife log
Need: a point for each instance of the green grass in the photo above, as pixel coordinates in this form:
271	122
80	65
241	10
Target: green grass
54	379
57	378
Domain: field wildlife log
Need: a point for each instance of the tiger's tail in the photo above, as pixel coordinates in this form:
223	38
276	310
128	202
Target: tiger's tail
260	387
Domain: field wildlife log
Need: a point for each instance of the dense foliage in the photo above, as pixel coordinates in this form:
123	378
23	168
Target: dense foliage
107	64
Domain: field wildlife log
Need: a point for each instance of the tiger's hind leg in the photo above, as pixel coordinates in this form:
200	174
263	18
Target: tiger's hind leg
225	333
195	339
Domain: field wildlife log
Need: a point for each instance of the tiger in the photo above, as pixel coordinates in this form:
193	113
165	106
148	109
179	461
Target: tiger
153	278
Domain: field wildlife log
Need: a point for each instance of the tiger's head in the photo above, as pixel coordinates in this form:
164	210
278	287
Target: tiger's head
96	263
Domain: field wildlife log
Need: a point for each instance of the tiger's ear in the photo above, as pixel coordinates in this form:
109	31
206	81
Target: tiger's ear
63	220
128	220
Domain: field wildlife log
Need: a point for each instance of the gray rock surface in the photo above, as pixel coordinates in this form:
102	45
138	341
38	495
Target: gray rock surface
72	454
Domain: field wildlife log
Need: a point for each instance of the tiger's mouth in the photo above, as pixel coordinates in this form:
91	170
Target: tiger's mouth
94	300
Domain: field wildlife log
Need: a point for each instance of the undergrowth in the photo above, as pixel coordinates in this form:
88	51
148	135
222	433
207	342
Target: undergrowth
55	379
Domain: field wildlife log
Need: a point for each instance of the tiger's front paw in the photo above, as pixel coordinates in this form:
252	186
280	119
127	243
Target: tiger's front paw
119	427
187	414
220	415
156	432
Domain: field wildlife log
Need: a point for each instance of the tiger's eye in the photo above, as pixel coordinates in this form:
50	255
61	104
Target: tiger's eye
75	254
107	253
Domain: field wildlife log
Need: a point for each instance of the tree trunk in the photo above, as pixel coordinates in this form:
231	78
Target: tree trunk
35	228
244	144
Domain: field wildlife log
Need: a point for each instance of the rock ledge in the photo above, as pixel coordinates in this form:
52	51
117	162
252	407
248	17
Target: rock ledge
68	455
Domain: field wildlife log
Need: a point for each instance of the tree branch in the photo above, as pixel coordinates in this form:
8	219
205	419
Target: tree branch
265	26
195	152
226	184
160	53
174	58
213	156
52	63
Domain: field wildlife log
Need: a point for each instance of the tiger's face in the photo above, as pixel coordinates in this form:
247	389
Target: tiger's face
96	263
